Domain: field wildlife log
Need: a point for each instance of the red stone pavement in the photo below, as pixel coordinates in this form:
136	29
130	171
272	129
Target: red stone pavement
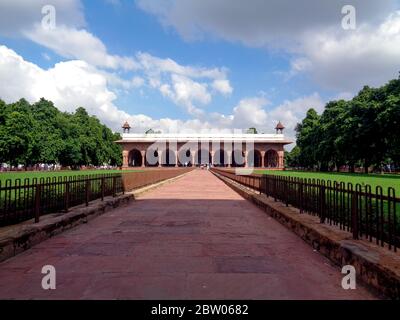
193	238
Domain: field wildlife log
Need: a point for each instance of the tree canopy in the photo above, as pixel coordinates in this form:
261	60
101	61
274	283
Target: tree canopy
40	133
364	132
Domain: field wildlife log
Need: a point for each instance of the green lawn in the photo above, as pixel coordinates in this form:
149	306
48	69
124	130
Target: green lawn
44	174
383	180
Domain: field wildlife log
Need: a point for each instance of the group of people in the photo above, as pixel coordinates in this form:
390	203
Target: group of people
49	167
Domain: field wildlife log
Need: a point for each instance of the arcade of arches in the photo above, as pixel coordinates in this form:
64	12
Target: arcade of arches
143	155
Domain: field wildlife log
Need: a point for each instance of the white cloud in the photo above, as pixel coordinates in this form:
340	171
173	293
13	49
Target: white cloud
365	56
223	86
173	80
17	16
68	84
156	65
338	59
291	112
187	86
79	44
75	83
250	112
259	22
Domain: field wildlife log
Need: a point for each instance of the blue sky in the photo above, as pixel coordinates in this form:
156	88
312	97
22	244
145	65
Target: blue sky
196	65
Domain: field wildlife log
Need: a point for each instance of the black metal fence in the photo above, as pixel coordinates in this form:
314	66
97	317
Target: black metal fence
366	213
22	200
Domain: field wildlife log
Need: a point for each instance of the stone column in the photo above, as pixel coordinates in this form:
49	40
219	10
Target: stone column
125	155
262	159
192	154
159	158
176	159
246	162
143	158
281	159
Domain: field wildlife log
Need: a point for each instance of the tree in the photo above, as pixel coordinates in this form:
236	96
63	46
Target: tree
328	151
364	131
16	139
252	130
307	135
292	158
40	133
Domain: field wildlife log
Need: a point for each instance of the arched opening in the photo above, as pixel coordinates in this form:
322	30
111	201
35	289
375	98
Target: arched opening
185	157
220	158
203	157
254	159
168	158
238	158
271	159
151	158
135	158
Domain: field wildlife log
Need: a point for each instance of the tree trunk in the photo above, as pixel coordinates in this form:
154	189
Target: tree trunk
365	166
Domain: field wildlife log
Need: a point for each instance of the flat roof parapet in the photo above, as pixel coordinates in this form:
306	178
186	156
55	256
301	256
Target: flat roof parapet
152	137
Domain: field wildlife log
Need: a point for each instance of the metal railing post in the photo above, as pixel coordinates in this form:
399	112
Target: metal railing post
354	215
322	204
301	196
87	190
37	202
66	196
102	188
114	185
285	181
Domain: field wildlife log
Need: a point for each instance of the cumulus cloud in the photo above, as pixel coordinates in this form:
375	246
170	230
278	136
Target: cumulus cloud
68	84
187	86
69	39
79	44
366	56
310	30
291	112
18	16
223	86
76	83
259	22
156	65
250	112
190	87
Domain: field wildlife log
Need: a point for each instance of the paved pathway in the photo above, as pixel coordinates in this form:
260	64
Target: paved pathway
194	238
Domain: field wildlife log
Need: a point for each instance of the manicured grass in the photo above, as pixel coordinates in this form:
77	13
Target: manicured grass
45	174
383	180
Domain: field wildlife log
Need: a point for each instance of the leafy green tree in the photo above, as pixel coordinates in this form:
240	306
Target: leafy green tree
40	133
252	130
364	131
16	139
328	151
307	134
292	158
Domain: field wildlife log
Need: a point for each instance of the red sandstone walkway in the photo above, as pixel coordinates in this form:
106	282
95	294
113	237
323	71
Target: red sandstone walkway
191	239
